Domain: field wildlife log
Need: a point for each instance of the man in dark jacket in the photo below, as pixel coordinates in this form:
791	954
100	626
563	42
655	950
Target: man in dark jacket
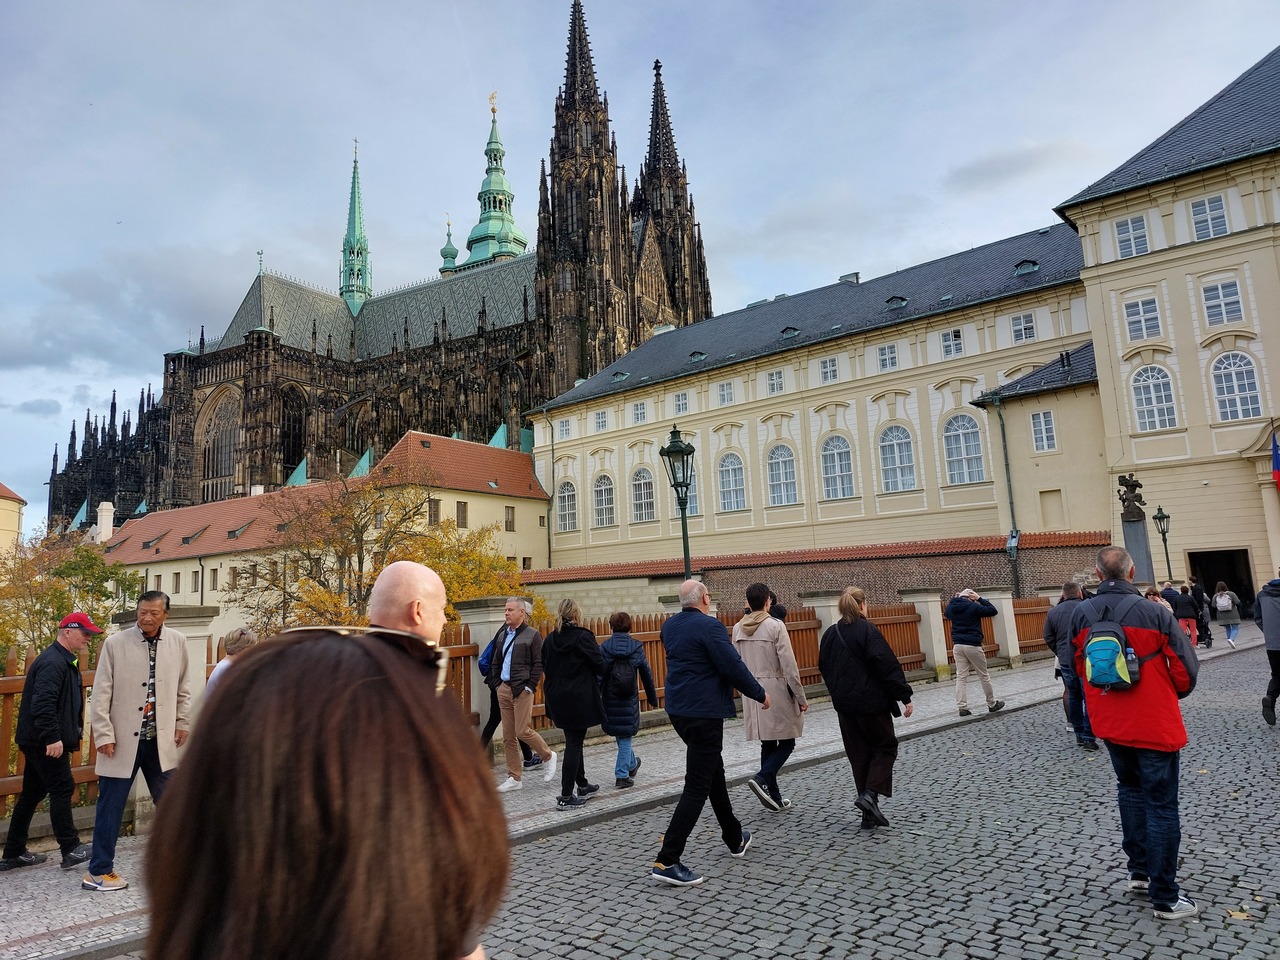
703	669
50	720
1057	634
966	611
1266	614
1142	728
515	672
1202	615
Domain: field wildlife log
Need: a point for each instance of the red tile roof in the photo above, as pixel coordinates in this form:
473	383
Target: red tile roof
7	494
463	465
917	548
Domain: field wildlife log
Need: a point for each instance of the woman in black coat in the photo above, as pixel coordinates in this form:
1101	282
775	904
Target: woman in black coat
866	683
623	659
572	664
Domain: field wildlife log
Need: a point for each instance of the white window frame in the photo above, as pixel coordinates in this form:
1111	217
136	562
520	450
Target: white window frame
1235	387
1044	434
1131	237
837	468
780	468
693	508
732	483
639	412
897	459
952	343
887	355
602	420
562	429
775	382
681	402
829	370
1023	327
1222	302
724	390
643	509
566	507
962	450
1153	402
1142	319
1209	217
602	502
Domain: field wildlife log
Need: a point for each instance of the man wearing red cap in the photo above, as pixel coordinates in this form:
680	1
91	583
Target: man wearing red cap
49	723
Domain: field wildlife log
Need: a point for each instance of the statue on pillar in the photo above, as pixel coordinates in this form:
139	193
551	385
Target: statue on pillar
1131	498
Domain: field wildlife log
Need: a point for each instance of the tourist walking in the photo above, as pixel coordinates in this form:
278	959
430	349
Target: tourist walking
483	663
515	673
966	611
866	683
1058	635
572	665
765	647
1226	605
1266	614
703	669
1202	605
624	659
1186	612
1142	728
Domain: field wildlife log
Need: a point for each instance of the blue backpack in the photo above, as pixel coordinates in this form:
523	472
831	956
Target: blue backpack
1109	661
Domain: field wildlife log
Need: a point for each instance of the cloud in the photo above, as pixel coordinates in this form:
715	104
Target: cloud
38	408
996	169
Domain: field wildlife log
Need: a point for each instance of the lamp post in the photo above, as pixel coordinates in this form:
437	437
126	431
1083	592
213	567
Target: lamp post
1162	524
678	457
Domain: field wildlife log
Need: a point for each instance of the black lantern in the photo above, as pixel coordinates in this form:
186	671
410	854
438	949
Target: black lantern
678	456
1162	520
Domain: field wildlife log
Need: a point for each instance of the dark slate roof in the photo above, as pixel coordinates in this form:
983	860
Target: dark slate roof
501	286
1241	121
1071	369
828	313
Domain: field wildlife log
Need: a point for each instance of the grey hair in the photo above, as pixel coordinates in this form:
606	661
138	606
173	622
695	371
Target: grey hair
692	592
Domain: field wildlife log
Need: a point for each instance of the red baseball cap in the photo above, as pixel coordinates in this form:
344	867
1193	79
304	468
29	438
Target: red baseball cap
81	621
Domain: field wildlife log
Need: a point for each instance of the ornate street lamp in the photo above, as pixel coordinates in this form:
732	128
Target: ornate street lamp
678	456
1162	525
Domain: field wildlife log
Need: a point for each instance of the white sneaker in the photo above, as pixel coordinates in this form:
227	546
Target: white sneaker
1184	909
511	783
1232	642
551	767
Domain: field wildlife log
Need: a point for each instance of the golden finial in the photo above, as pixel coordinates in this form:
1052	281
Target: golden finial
493	102
447	221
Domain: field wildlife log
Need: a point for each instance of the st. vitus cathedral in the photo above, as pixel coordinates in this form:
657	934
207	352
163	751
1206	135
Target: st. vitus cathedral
303	375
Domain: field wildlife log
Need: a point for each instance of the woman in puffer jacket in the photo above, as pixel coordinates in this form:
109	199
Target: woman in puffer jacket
623	659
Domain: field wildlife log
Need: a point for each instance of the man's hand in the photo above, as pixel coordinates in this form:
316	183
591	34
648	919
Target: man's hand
107	749
908	709
180	737
804	708
54	749
768	701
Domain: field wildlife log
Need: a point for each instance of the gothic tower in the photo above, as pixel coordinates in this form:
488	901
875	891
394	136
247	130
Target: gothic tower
355	282
662	199
585	247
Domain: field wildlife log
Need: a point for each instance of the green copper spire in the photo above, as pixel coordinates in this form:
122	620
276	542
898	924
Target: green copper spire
355	282
448	253
496	236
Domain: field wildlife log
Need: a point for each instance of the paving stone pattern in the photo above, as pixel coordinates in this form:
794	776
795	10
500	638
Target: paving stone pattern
1005	844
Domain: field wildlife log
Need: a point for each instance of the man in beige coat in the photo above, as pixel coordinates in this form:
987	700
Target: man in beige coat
765	647
140	714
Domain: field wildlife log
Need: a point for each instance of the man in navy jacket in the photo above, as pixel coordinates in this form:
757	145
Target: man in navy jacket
966	611
703	668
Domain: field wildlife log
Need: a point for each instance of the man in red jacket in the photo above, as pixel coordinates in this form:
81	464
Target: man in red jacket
1142	728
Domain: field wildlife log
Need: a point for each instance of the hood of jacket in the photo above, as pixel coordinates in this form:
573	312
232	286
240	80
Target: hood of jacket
1271	588
751	622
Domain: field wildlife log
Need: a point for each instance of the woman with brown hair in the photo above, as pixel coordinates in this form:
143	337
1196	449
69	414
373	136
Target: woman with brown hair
866	684
571	668
331	805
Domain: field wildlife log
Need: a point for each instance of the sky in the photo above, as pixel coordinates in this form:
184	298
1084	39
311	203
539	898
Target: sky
154	148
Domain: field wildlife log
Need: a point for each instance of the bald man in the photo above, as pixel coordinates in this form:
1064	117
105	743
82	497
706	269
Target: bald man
408	596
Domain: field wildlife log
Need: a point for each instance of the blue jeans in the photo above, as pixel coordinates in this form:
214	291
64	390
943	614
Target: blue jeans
626	758
1076	712
1231	630
773	754
112	794
1147	789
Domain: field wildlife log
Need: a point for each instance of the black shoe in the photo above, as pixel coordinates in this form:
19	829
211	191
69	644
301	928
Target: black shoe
635	766
678	875
1269	710
998	705
966	713
869	804
534	761
587	789
564	803
25	859
623	782
762	794
77	856
867	823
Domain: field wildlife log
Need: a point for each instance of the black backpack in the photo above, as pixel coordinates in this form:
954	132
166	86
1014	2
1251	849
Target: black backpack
620	680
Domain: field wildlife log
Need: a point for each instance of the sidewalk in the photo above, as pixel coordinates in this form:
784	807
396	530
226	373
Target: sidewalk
48	916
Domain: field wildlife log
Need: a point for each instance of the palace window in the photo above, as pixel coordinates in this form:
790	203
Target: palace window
566	507
1131	237
562	429
1043	434
888	356
952	343
1142	318
733	483
725	391
1209	217
828	370
774	382
682	403
1153	399
837	469
781	467
692	509
639	413
1235	385
897	460
602	420
962	449
642	508
602	494
1222	302
1024	328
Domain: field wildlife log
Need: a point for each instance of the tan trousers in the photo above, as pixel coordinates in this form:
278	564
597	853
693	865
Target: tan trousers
969	657
517	724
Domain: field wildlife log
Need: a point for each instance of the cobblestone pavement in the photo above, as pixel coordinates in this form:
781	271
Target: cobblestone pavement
1005	844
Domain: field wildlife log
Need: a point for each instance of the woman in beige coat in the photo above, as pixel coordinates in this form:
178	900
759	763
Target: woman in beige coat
765	648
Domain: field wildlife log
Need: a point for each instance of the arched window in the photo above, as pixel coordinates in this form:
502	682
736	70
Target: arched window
962	449
642	496
692	509
1235	384
781	467
566	507
897	460
837	469
293	430
603	497
1153	399
733	484
222	434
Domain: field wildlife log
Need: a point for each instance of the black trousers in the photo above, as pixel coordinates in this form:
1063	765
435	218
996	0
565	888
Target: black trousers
1273	687
495	718
872	748
44	776
703	779
571	769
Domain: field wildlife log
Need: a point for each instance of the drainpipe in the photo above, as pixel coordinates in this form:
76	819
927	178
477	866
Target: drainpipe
1013	511
200	560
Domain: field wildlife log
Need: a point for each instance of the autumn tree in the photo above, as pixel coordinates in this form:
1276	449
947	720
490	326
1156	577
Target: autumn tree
48	576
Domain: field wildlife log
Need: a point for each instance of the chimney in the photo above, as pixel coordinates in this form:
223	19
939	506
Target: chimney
106	521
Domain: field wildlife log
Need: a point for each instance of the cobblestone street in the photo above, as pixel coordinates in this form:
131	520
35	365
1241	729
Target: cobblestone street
1005	843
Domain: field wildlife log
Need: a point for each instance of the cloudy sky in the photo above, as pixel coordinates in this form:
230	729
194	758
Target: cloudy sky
153	148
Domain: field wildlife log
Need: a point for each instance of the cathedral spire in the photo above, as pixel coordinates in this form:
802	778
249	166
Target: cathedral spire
662	143
580	88
495	236
355	282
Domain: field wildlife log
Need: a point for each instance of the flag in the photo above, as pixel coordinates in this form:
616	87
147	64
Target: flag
1275	460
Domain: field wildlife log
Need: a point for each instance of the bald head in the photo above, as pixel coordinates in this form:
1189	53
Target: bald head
408	596
692	593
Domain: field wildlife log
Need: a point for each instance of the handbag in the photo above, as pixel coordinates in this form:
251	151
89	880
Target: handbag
486	658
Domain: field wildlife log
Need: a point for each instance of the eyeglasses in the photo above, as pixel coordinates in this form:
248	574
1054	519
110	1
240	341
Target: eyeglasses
426	652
